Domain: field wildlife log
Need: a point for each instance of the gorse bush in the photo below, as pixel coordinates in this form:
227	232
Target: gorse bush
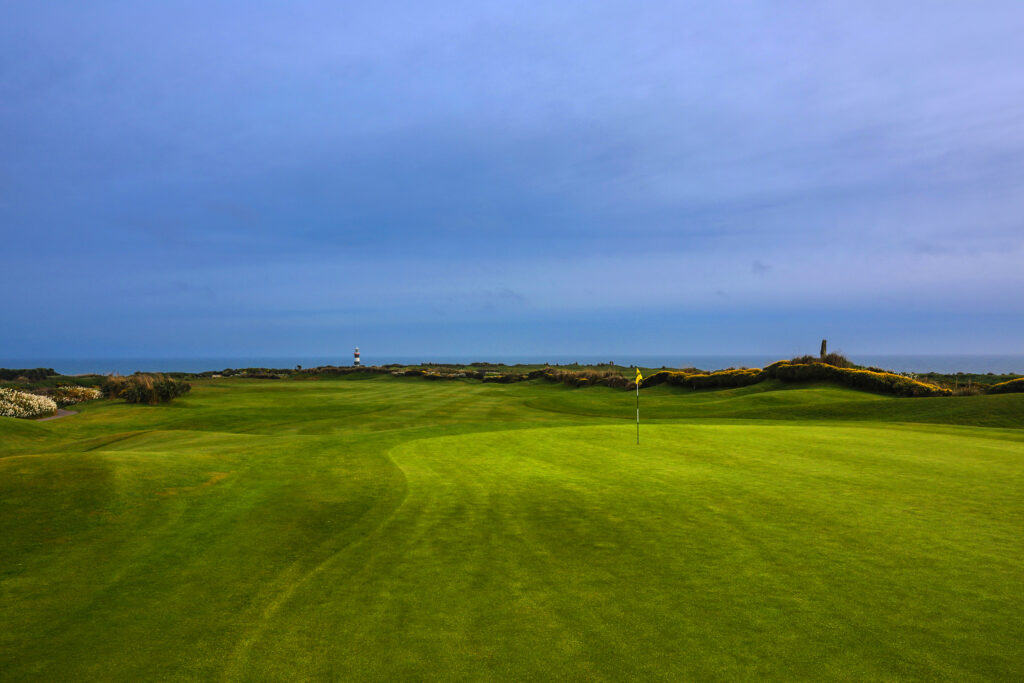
707	380
793	371
15	403
580	378
869	380
142	388
834	359
68	395
1012	387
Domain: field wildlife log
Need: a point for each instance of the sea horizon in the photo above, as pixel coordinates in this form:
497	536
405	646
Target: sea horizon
916	363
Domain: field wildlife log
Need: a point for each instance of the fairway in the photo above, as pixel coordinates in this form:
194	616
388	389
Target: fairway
400	529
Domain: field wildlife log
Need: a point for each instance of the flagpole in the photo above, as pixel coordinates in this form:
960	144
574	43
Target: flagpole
638	412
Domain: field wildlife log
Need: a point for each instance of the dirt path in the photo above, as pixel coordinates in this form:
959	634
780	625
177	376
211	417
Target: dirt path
60	413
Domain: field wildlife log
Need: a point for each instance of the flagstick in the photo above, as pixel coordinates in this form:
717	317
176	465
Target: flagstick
638	413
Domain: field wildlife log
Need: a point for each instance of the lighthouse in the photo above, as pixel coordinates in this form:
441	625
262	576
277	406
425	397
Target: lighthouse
356	357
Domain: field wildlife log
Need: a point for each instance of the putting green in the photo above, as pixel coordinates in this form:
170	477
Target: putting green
399	529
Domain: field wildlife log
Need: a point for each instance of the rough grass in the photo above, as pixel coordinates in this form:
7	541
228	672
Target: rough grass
393	529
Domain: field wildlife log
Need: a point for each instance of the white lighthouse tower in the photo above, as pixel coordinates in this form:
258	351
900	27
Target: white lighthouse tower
356	356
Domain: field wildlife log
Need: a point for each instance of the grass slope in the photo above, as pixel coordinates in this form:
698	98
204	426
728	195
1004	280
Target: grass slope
773	400
396	529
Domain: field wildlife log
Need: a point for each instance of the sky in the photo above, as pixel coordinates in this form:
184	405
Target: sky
494	178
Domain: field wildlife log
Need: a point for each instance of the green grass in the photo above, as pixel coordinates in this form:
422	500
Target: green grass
396	529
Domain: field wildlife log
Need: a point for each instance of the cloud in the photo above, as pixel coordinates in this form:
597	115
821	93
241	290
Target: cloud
321	161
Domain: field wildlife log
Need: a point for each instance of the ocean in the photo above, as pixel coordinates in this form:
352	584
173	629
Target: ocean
980	363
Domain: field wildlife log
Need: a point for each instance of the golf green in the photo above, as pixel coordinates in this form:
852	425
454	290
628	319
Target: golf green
399	529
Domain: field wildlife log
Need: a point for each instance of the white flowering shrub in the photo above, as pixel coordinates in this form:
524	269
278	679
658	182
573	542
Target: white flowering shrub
19	404
66	395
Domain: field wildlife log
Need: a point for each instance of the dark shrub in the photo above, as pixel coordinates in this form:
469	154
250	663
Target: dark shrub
1012	387
727	378
660	377
33	374
143	388
835	360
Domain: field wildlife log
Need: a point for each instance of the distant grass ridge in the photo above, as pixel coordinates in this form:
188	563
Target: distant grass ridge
833	368
855	378
830	368
803	371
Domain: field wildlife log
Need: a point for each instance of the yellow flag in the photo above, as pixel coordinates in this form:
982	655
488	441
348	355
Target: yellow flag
639	377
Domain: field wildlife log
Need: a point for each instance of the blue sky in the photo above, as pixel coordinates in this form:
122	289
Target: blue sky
489	178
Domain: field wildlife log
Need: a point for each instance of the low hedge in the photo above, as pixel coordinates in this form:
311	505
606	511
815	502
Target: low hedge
336	370
582	378
1011	387
449	375
721	379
